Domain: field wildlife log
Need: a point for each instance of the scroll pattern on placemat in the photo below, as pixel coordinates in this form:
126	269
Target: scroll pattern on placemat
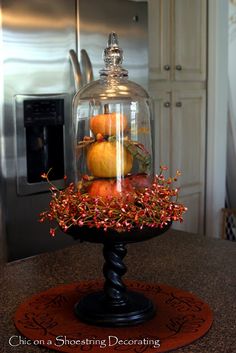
48	319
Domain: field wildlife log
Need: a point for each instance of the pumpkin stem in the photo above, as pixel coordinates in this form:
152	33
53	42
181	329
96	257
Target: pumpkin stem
106	109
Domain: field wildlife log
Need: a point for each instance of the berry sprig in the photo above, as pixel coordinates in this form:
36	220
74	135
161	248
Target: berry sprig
155	206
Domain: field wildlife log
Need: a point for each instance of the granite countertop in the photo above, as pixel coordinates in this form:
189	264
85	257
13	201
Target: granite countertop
204	266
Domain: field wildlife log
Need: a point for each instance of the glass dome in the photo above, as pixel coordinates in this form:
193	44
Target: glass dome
112	122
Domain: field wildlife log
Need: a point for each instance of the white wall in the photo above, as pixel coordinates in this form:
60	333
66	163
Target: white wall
232	54
231	135
216	114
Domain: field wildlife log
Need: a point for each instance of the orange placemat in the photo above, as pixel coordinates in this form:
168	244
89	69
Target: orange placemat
48	319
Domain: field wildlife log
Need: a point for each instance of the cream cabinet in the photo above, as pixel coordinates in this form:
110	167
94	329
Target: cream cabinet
180	143
177	84
177	39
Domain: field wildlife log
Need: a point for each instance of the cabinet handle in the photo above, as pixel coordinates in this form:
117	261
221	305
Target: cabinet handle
178	104
167	104
167	67
178	67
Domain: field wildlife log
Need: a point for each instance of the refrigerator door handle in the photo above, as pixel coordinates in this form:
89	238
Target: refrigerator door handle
86	65
76	69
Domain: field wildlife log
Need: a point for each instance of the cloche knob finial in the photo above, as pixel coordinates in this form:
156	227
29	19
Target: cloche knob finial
113	54
113	57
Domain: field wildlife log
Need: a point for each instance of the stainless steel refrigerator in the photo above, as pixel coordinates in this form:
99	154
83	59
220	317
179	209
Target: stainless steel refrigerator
39	43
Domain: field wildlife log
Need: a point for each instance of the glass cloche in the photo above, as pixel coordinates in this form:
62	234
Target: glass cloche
113	147
114	191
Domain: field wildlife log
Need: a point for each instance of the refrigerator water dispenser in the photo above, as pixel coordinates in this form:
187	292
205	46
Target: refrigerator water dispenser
43	123
40	141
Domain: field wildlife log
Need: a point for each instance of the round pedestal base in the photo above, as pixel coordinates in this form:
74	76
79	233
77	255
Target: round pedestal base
95	310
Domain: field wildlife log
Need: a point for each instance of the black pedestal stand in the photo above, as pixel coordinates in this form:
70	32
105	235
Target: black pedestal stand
115	305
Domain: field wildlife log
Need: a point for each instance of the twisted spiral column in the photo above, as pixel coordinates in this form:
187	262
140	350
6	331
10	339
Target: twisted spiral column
113	270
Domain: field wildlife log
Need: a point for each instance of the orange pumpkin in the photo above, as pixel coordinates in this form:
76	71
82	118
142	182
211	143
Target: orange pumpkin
108	124
108	187
114	188
108	159
102	188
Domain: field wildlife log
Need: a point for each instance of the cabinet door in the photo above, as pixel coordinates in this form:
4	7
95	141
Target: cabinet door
188	154
159	39
189	40
162	128
179	118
